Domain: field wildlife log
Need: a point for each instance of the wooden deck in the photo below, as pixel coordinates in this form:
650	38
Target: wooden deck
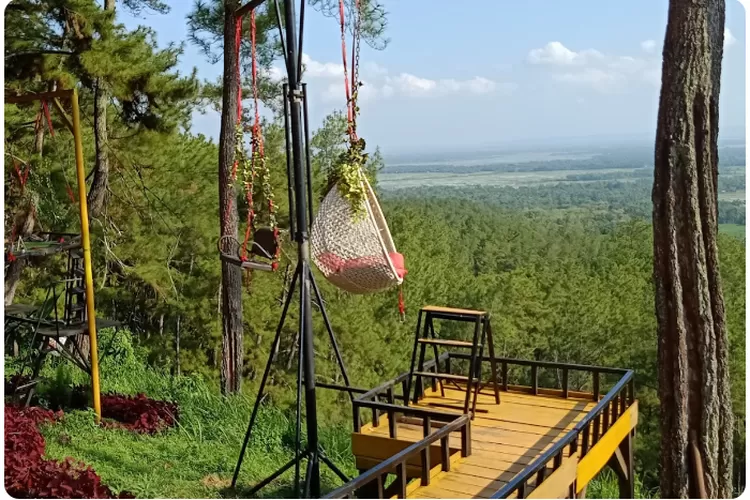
505	438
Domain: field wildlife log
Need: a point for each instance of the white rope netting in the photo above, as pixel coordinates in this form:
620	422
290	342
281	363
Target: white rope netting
353	253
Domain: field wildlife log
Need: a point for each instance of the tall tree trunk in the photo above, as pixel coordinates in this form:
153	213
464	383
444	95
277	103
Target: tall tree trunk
98	194
696	410
231	275
24	223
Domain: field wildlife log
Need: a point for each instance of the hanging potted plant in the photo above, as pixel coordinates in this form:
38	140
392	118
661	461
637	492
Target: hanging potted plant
346	176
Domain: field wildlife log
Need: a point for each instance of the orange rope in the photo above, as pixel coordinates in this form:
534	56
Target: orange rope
347	84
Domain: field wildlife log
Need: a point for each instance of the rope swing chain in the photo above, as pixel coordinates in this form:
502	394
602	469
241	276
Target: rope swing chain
255	166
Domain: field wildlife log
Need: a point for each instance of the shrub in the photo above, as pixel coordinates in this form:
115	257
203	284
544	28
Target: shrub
28	475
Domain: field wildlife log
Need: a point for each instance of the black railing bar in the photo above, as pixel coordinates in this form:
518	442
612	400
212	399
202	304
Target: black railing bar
354	390
542	461
535	466
385	385
441	416
398	458
546	364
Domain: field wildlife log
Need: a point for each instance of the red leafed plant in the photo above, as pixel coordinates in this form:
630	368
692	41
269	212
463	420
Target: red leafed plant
28	475
139	413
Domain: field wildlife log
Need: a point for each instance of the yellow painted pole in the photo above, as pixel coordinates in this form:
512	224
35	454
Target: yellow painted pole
86	243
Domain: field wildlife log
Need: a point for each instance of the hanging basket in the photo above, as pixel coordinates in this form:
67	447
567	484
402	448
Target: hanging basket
355	252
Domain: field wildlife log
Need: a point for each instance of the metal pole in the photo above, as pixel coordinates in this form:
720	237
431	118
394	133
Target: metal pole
306	333
86	247
308	163
289	173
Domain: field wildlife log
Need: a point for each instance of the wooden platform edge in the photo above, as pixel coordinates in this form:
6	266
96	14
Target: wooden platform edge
598	456
558	484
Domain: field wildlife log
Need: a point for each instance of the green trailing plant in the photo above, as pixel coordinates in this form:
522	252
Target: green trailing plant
346	173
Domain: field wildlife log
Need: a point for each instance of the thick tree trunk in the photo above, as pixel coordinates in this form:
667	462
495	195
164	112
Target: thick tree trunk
98	193
231	276
692	336
24	223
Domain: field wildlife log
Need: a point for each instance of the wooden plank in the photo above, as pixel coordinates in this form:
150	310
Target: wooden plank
454	310
381	448
446	342
598	456
41	96
479	469
434	472
365	463
557	485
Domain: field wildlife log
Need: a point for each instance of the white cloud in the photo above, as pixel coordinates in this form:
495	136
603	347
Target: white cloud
275	74
317	69
602	72
555	53
729	39
378	82
648	46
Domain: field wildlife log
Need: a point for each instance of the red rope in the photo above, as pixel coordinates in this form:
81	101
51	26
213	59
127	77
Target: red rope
71	196
45	108
347	84
401	303
11	257
22	177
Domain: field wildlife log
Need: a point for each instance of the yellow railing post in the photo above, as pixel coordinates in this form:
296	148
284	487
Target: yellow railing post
86	243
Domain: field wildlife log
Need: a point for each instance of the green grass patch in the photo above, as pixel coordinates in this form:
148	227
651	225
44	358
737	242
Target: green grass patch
196	459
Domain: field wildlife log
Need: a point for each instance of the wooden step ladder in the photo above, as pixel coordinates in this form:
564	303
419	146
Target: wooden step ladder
425	336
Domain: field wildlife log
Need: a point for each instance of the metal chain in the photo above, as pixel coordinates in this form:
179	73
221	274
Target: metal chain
355	69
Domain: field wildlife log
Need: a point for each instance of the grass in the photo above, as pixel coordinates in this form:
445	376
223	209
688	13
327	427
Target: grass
197	458
735	230
605	486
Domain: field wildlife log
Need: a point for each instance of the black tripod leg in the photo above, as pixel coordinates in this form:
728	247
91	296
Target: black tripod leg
276	474
263	381
333	467
330	332
309	473
300	351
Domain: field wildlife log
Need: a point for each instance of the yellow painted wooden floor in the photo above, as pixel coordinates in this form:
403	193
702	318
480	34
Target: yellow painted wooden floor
504	438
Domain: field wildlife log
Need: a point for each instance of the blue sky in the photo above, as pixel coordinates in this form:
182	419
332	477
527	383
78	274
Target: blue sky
485	73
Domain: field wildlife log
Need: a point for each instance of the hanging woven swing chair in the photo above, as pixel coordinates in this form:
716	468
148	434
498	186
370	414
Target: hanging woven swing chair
355	253
350	240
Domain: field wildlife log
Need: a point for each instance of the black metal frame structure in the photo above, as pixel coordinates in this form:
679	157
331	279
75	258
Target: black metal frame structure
300	193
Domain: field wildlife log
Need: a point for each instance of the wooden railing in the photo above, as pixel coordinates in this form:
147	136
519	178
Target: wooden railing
398	461
586	434
534	366
388	391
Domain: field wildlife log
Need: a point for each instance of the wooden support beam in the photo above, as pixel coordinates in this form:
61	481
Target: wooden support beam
41	96
252	4
67	121
599	455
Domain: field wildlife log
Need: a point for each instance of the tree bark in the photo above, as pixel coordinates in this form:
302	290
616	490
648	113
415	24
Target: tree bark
98	193
231	275
24	223
692	337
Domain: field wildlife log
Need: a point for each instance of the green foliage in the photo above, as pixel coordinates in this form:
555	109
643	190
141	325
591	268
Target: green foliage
346	176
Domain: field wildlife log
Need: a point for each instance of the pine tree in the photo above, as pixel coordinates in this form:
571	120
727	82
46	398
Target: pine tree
696	407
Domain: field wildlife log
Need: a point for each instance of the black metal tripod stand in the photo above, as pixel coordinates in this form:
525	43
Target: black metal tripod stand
300	216
313	452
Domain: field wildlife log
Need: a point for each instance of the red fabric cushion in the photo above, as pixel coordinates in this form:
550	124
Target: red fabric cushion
338	264
398	262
